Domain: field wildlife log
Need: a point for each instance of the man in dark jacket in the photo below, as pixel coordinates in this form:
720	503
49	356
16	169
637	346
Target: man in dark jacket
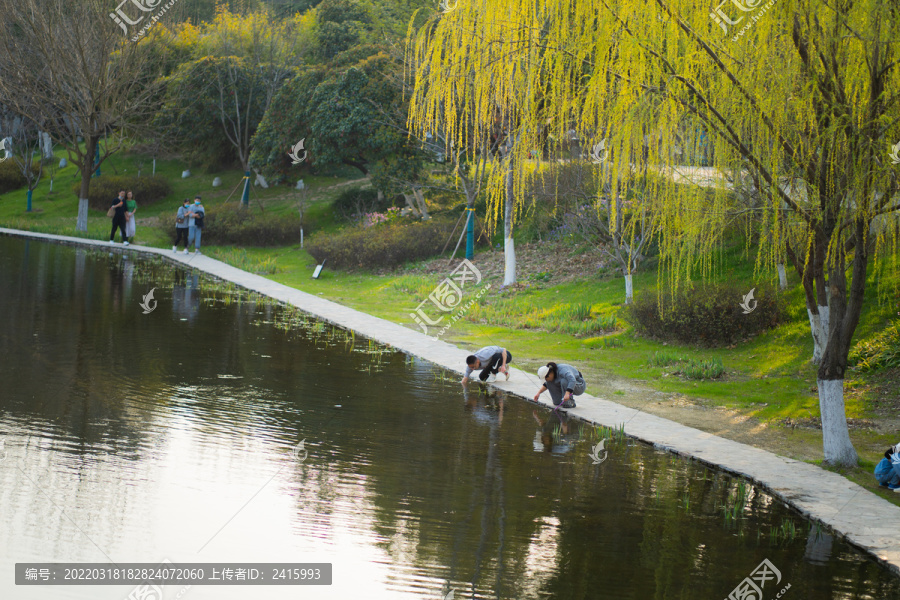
118	220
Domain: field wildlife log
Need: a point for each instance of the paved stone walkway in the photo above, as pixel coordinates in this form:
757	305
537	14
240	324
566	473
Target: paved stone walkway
864	518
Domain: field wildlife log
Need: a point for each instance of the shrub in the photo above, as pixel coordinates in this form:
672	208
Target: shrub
384	245
232	225
104	189
691	368
703	369
664	359
353	203
11	177
709	314
880	351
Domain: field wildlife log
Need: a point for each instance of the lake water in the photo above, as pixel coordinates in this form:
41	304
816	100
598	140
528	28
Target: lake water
133	437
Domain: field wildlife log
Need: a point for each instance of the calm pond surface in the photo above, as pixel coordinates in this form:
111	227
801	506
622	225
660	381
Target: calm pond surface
133	437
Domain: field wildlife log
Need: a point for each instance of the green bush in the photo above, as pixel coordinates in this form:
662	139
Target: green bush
384	245
709	314
351	204
105	189
235	226
11	177
688	367
880	351
664	359
703	369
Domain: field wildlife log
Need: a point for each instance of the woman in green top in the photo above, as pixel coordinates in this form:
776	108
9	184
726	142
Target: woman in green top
130	209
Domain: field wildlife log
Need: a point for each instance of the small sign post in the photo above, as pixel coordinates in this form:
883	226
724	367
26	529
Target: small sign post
318	270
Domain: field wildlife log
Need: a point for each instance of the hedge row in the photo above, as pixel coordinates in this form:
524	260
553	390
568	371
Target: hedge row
384	245
235	226
708	314
105	189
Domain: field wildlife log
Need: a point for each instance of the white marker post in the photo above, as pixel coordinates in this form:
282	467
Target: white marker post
318	270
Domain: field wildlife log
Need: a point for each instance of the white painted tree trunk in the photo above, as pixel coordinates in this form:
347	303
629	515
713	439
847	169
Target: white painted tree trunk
835	434
629	289
782	277
509	246
818	325
46	145
81	223
509	250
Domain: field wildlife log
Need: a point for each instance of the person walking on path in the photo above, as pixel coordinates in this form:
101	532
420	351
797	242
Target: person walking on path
563	382
181	225
130	209
195	224
491	360
118	218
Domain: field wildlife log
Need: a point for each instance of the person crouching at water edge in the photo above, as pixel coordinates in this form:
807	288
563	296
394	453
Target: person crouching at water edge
563	382
491	360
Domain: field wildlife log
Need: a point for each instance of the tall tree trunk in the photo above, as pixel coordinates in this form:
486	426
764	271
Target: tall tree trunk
809	270
82	223
844	318
86	167
629	288
819	326
782	277
509	246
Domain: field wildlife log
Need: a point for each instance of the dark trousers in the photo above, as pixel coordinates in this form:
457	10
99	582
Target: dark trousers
118	222
493	366
181	232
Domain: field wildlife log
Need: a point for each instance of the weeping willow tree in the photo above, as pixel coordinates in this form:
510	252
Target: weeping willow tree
802	97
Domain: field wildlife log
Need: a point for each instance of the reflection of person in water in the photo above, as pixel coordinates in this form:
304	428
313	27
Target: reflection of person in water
127	275
489	410
117	282
186	296
553	433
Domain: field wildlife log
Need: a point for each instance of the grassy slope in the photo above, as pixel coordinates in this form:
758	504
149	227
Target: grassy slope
768	378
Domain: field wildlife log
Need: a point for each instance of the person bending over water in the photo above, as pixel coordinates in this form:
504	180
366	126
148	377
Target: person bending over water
563	382
491	360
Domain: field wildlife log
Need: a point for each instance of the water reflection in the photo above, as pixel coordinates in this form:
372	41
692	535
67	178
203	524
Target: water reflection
553	433
186	295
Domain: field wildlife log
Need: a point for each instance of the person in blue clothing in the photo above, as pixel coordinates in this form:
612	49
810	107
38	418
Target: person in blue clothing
887	471
181	225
